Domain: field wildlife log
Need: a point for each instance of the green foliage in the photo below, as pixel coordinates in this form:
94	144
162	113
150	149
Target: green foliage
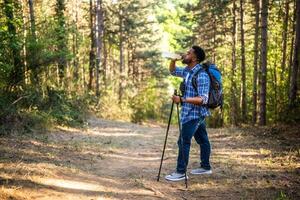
145	28
64	108
37	109
107	106
282	196
149	103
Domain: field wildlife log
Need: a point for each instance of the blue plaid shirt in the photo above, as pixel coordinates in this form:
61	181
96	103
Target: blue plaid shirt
191	111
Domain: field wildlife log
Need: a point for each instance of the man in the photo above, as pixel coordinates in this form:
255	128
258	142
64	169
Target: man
193	113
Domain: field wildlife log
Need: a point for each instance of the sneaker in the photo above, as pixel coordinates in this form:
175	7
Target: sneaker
201	171
175	177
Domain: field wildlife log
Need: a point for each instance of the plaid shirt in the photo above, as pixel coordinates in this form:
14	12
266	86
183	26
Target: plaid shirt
191	111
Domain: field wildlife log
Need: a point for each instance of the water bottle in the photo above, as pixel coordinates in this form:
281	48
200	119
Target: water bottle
170	55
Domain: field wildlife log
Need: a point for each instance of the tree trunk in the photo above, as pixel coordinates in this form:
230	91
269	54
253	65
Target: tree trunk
296	61
263	80
17	73
292	50
75	43
284	70
105	71
99	31
32	61
234	103
121	48
254	89
284	38
62	40
243	66
93	46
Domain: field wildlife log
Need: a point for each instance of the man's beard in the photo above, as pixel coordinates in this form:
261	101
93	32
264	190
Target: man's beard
186	61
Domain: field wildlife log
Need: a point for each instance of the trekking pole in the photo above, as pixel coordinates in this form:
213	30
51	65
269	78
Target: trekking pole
181	141
163	153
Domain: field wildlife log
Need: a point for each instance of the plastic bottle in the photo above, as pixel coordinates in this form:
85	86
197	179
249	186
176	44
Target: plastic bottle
170	55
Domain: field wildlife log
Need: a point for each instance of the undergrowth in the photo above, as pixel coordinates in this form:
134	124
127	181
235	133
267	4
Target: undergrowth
34	109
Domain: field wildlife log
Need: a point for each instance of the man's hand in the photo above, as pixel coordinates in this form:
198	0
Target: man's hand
176	98
172	65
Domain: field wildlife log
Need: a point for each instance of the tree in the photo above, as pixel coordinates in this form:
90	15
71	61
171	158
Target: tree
284	37
121	50
254	89
99	36
32	54
296	61
243	65
93	44
234	103
61	39
16	76
75	44
263	62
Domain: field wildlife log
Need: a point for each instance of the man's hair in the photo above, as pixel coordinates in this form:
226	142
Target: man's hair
200	54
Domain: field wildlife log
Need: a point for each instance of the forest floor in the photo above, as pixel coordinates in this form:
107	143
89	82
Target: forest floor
118	160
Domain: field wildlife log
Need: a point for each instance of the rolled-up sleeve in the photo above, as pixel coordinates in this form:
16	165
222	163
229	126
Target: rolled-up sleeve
179	72
203	86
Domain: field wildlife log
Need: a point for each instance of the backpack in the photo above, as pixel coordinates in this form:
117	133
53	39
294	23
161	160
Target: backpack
215	98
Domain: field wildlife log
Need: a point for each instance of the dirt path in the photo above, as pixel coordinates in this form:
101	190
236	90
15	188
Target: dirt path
116	160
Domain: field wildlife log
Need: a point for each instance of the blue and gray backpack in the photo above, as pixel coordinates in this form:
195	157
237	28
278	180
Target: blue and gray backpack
215	98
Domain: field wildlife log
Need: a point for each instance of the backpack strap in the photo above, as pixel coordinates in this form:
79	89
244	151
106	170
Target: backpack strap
204	67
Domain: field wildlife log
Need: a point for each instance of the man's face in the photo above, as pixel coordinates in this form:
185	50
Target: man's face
189	57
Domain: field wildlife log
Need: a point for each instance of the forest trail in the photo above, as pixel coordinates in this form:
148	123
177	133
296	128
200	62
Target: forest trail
118	160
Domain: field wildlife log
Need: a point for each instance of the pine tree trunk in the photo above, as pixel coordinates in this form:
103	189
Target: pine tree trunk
234	103
263	80
284	37
284	70
121	49
17	73
93	46
62	40
75	43
99	30
243	66
254	90
105	71
292	50
296	61
32	61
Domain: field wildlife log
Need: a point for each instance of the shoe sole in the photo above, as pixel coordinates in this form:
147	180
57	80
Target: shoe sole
174	180
209	172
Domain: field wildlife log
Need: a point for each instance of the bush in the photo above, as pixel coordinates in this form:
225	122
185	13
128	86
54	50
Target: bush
149	103
32	109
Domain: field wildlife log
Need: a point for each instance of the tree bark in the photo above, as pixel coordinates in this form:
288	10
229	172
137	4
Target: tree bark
17	73
99	31
292	50
254	89
284	38
121	48
32	19
33	51
243	66
62	40
93	46
75	43
234	103
296	61
263	80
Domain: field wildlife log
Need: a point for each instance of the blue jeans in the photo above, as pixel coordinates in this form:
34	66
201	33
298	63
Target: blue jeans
196	128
